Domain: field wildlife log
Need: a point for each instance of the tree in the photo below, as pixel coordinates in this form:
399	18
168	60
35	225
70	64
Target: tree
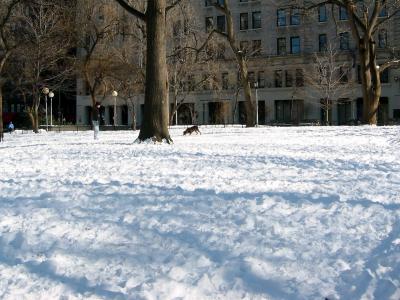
6	47
42	60
328	80
241	59
97	29
366	18
156	106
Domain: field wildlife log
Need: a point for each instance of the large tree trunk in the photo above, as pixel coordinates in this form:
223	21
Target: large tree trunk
34	116
370	76
156	110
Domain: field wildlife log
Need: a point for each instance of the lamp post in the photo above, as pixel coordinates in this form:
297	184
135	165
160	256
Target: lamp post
51	95
256	87
46	91
115	95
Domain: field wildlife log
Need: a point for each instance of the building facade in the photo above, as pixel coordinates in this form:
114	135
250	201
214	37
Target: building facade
282	45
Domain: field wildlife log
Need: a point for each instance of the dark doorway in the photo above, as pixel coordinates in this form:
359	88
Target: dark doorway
383	111
124	114
360	105
261	112
289	111
102	115
217	112
242	113
344	113
111	115
185	114
88	112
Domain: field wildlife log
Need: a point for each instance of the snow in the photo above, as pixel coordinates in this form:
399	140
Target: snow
234	213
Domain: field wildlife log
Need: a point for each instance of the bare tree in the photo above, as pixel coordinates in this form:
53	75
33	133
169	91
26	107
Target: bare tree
366	18
156	107
43	59
328	81
241	59
184	59
7	45
98	25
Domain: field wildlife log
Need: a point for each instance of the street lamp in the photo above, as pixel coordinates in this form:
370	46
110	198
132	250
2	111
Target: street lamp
46	91
115	95
256	87
51	95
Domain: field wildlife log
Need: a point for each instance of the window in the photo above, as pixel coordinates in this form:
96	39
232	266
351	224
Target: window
221	51
343	13
278	78
299	78
244	46
344	74
281	17
295	45
225	81
385	76
244	21
208	2
322	16
281	45
206	82
261	79
209	24
252	78
382	38
256	47
294	17
359	80
383	13
288	78
221	2
189	84
221	23
322	42
344	41
256	19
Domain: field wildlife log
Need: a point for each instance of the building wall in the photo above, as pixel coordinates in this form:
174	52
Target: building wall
270	60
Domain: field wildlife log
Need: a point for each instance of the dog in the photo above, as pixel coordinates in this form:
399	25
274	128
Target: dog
192	129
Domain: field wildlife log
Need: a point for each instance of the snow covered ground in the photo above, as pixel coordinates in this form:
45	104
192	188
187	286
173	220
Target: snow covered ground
263	213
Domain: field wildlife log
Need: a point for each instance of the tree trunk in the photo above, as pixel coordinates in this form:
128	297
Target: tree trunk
156	110
34	116
2	63
371	85
249	104
326	112
174	109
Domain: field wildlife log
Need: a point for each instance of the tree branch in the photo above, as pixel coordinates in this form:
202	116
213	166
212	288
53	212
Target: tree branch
395	62
175	3
142	16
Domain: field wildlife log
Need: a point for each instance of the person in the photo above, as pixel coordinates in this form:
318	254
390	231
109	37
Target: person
11	127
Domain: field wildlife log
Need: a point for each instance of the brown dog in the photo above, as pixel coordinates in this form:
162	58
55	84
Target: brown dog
192	129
